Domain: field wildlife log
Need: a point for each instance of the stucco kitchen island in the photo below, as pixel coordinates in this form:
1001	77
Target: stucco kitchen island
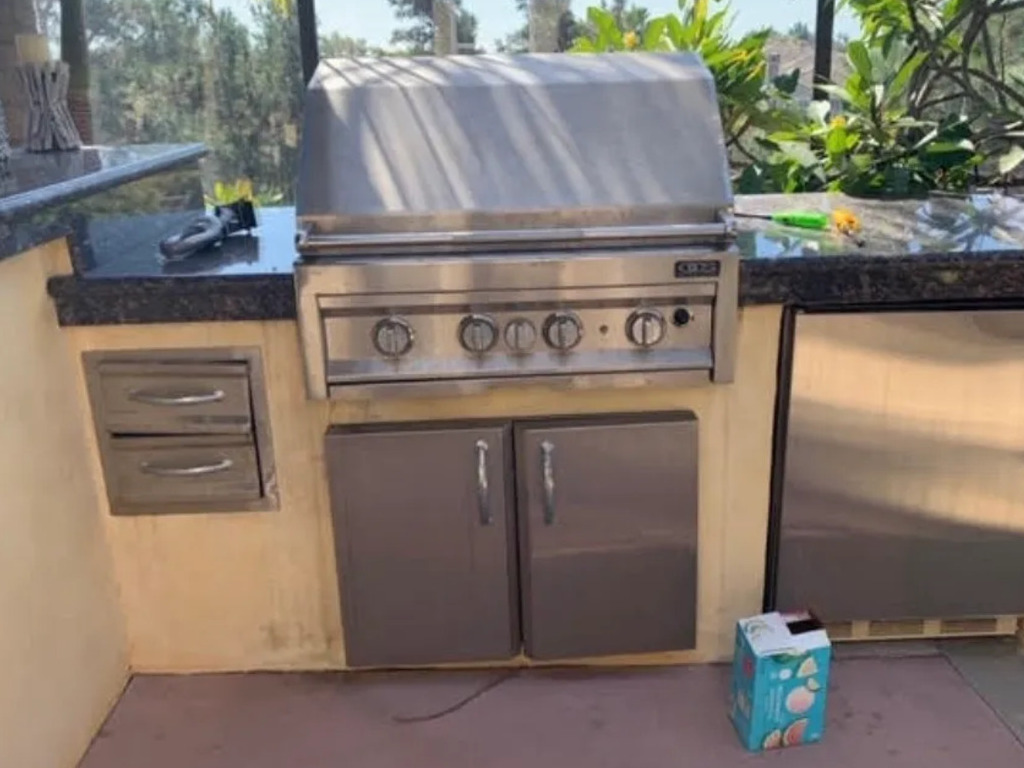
106	595
259	590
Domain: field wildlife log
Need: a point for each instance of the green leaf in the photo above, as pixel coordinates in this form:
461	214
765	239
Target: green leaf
787	84
609	36
941	147
799	153
677	33
1009	162
700	12
751	181
860	58
878	95
836	142
927	139
902	79
655	35
838	91
583	45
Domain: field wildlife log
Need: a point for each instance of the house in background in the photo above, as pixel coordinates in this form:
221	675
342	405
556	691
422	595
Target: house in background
786	53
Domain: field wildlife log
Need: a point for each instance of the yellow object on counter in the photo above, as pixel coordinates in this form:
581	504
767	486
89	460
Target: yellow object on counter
846	221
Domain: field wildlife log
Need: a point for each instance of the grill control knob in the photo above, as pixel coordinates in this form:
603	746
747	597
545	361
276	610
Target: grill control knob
393	337
563	331
520	335
645	328
478	334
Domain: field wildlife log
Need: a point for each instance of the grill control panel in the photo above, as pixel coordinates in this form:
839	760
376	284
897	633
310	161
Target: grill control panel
479	334
460	325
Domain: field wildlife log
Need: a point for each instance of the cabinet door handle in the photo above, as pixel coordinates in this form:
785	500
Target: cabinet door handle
547	466
154	398
198	470
483	485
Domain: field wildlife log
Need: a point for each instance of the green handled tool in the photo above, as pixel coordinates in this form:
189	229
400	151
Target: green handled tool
798	219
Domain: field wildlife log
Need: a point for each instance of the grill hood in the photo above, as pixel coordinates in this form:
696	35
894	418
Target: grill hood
525	147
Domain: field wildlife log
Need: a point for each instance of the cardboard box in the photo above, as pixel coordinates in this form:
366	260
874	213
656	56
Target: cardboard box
780	680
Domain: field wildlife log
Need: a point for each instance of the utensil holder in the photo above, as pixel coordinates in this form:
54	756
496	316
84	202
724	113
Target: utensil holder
49	127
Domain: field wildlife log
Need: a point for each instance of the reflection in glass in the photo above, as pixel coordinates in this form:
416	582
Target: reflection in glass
223	72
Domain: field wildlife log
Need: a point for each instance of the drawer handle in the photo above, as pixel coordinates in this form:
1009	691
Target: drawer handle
198	470
152	398
483	485
547	464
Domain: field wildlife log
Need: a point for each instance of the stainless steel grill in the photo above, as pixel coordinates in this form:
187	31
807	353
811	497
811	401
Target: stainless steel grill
471	222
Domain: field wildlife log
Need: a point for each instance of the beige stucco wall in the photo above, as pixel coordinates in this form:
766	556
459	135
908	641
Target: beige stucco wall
230	592
63	655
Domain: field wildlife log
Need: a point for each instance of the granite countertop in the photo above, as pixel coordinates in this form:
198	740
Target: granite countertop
944	249
939	250
40	192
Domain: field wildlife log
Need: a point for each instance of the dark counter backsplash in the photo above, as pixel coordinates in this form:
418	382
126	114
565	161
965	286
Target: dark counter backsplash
941	250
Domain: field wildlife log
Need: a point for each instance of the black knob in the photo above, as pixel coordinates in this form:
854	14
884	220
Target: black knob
682	316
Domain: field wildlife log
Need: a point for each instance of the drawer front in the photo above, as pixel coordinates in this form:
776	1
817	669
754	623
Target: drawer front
172	402
185	471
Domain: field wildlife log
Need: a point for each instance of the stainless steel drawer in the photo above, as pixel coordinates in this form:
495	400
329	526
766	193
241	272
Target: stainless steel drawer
151	399
179	470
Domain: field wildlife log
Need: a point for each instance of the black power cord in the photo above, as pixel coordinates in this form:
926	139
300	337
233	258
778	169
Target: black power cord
488	686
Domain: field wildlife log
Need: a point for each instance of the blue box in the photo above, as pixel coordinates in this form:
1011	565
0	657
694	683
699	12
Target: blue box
780	680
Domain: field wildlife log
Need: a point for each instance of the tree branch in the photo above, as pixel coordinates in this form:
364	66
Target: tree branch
995	83
990	59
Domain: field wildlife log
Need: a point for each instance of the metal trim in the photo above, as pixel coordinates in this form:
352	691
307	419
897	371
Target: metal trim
465	387
725	330
492	298
780	437
505	239
825	23
309	44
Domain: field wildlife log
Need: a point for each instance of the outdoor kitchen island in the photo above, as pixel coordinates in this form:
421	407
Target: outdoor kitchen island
259	590
528	411
155	526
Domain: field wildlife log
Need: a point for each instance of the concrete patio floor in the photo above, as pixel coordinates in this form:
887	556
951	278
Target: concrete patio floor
919	707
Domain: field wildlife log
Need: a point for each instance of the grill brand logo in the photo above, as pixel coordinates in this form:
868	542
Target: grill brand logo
685	269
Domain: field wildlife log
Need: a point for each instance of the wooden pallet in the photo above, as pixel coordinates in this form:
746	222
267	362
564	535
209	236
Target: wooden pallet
926	629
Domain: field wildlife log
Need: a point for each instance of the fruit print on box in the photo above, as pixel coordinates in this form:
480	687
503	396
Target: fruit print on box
780	680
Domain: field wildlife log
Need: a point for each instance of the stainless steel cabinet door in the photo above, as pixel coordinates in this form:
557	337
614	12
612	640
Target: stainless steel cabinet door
421	530
608	520
904	471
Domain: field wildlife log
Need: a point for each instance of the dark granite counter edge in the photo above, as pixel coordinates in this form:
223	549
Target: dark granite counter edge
82	301
24	204
826	282
806	282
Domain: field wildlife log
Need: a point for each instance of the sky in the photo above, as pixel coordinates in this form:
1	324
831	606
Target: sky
373	20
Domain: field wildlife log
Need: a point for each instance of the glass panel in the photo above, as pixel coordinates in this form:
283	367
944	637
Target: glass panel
223	72
369	27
